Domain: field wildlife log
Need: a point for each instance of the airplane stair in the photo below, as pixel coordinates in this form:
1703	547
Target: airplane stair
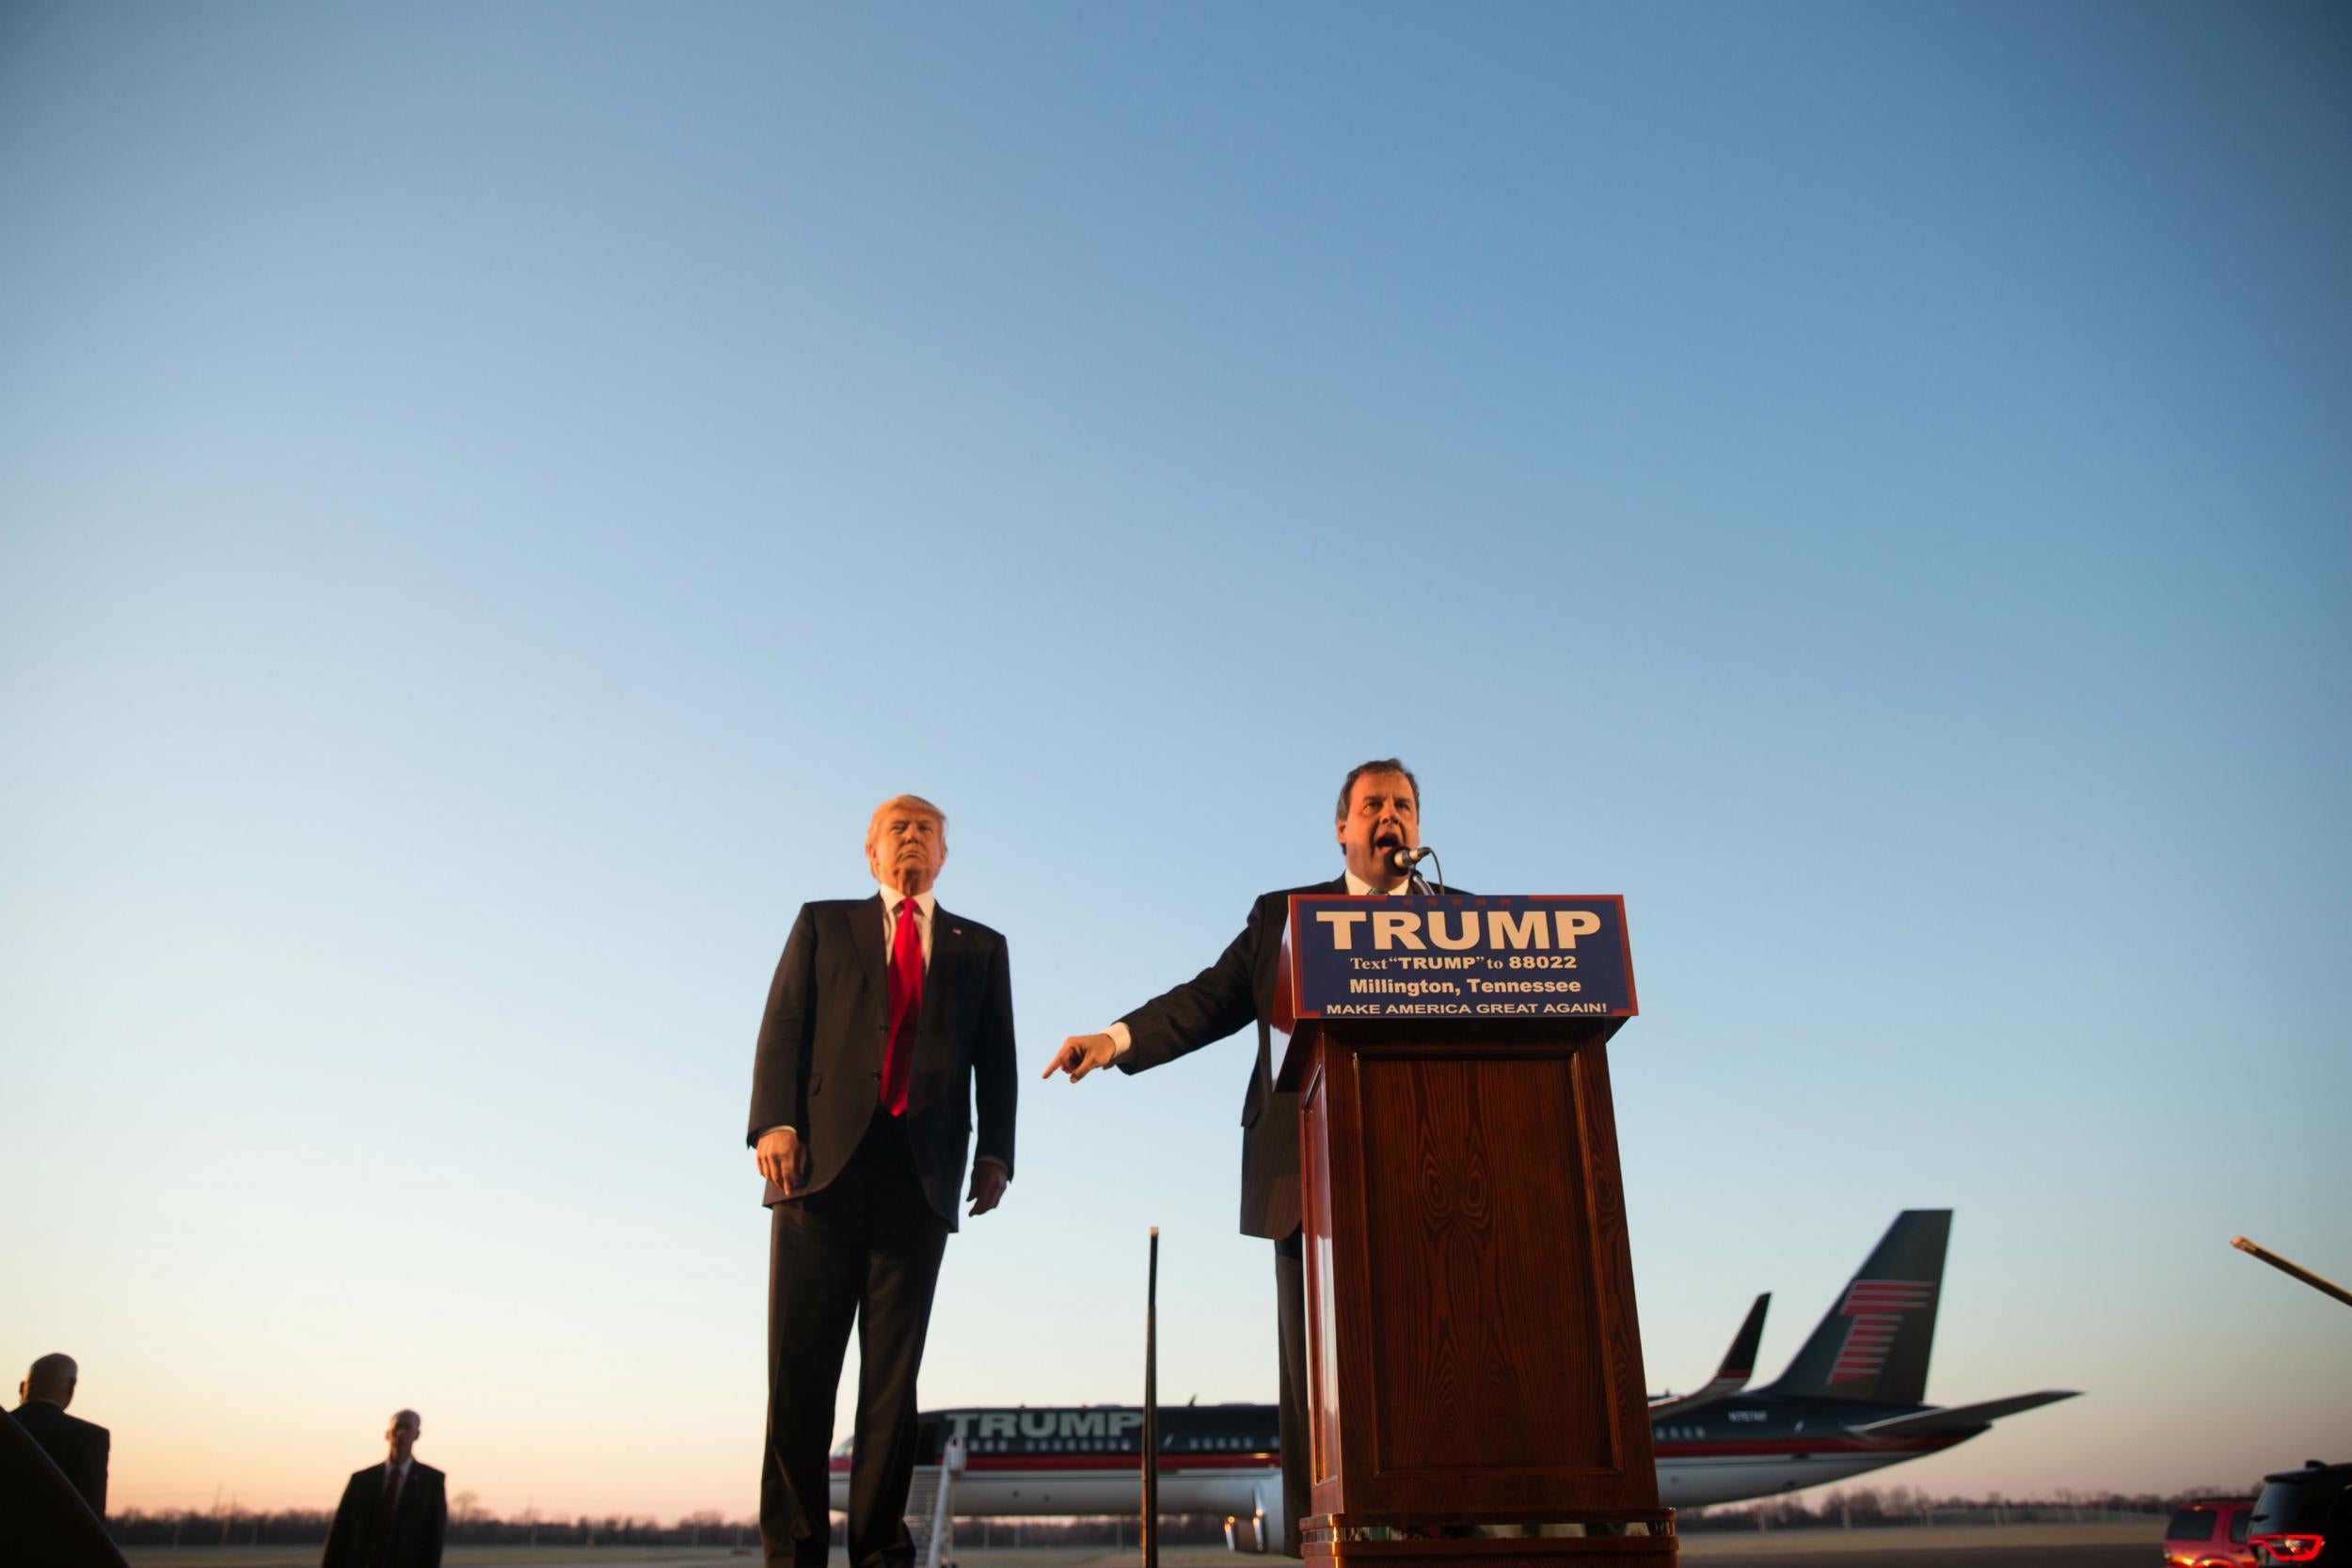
930	1518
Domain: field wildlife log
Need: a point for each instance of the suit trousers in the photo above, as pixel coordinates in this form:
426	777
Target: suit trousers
1290	1310
865	1247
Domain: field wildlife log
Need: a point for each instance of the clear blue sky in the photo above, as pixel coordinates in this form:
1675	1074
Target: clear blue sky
490	497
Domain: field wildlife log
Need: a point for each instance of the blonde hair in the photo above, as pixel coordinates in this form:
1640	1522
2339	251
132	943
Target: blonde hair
911	802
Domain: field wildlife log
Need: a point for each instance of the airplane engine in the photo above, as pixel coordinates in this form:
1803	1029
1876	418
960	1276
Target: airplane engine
1261	1529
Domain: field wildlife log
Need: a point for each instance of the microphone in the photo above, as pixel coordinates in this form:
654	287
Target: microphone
1401	859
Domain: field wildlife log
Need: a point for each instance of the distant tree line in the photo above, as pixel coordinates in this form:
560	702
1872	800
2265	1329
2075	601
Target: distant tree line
1880	1507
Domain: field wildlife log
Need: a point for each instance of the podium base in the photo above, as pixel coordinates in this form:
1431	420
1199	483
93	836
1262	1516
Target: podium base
1643	1537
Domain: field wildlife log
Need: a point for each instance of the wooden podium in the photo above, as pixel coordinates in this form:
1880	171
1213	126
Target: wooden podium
1474	1363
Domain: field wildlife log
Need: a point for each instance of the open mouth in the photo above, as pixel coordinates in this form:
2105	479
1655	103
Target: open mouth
1388	839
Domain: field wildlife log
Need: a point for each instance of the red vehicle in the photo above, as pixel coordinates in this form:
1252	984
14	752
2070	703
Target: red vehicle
2210	1534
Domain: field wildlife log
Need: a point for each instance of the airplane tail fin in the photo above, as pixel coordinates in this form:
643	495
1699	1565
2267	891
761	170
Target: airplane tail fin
1872	1344
1739	1365
1739	1361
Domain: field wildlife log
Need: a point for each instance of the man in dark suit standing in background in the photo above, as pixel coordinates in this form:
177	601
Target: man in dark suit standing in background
391	1514
78	1447
1379	812
886	1014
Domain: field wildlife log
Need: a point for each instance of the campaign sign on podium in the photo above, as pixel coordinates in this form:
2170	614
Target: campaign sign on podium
1544	956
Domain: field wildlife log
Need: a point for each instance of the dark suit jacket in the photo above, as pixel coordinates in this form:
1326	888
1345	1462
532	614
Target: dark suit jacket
1214	1004
77	1447
412	1538
818	1066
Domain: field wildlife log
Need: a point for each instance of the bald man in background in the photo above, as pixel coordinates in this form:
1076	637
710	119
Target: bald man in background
391	1514
78	1447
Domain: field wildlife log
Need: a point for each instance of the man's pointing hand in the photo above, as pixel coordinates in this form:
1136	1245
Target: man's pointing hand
1081	1054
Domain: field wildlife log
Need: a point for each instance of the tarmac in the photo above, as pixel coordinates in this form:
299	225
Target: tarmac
2092	1545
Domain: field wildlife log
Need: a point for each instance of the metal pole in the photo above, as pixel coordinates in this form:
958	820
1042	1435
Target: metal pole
2326	1287
1152	1409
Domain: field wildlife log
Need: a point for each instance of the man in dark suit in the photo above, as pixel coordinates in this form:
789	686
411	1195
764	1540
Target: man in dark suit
78	1447
1379	811
391	1514
886	1014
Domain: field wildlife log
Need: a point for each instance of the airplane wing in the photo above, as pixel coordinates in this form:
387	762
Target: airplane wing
1739	1365
1960	1417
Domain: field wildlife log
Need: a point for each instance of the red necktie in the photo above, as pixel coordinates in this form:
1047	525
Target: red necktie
906	1002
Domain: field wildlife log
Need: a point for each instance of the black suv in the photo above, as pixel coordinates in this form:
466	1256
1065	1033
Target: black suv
2305	1516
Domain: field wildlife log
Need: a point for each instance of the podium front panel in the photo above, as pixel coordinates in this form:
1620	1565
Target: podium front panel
1472	1340
1465	1261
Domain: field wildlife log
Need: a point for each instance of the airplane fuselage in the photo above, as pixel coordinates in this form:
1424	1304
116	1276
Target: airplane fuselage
1759	1444
1224	1458
1048	1460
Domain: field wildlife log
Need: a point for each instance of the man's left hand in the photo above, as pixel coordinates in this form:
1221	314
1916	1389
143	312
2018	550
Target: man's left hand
988	1183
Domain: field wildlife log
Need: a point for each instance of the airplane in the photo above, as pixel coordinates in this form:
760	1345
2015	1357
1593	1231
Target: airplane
1852	1401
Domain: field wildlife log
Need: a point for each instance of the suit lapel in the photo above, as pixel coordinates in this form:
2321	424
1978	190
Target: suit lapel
865	940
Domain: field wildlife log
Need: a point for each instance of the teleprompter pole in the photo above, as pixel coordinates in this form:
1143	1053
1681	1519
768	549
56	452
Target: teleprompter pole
1150	1536
2291	1269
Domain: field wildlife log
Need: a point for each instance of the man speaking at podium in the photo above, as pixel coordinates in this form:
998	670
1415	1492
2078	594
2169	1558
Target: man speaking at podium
890	1022
1379	812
